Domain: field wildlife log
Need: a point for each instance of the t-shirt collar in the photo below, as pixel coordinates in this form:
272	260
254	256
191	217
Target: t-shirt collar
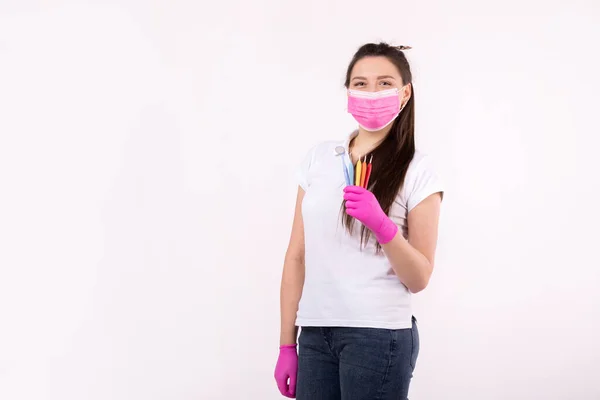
348	140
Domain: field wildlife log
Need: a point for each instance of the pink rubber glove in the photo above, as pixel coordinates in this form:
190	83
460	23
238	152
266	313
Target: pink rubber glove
362	205
287	367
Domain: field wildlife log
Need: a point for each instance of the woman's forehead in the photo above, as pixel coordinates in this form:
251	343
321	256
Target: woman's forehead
373	67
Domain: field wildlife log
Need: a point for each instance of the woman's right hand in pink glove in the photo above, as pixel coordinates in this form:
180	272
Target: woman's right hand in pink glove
287	368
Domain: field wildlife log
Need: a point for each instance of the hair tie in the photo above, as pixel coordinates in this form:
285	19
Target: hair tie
401	48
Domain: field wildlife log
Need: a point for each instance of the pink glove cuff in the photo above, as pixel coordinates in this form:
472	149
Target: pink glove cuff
387	231
287	346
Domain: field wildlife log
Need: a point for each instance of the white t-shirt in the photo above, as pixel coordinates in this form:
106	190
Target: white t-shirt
345	285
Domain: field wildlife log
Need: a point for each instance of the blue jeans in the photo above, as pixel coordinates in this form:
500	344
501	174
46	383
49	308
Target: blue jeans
356	363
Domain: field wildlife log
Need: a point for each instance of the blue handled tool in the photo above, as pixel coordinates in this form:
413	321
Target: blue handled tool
341	152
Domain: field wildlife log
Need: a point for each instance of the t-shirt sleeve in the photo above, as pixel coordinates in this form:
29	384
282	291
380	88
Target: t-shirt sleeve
424	181
302	171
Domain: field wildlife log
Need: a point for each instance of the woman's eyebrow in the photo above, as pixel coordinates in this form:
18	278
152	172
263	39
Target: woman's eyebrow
379	77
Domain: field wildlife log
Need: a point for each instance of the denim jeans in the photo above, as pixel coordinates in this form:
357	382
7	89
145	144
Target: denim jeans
356	363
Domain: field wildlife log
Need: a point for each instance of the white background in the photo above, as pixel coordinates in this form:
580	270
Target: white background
147	159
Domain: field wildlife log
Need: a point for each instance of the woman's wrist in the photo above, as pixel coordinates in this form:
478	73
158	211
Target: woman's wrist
288	338
387	230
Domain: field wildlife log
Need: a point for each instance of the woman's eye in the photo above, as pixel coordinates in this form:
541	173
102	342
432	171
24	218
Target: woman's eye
359	84
386	83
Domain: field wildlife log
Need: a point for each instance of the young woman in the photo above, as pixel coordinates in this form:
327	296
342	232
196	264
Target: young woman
360	247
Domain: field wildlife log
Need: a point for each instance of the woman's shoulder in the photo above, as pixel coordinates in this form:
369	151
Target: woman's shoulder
422	179
422	162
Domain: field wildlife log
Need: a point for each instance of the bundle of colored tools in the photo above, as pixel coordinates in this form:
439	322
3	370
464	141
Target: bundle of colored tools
358	174
363	172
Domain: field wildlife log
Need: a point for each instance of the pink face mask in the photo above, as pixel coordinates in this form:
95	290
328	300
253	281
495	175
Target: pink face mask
374	110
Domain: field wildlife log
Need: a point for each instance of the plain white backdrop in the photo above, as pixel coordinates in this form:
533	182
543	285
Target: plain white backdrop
147	159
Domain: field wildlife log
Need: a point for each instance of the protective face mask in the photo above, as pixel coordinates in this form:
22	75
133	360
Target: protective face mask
374	110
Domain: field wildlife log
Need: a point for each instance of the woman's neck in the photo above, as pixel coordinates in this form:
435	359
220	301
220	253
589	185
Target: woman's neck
365	141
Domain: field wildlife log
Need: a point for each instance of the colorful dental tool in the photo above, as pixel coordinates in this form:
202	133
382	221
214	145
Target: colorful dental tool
350	167
341	152
358	172
363	172
368	174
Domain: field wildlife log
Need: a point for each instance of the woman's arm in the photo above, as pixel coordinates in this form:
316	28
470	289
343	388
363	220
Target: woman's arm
292	280
413	259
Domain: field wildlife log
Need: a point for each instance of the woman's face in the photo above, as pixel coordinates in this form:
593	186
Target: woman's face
373	74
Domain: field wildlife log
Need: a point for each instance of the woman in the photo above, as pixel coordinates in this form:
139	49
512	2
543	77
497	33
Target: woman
357	254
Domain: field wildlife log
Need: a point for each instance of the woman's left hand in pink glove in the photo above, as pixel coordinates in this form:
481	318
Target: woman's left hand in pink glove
362	205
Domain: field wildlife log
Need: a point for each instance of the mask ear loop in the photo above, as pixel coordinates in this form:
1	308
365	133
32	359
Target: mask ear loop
402	108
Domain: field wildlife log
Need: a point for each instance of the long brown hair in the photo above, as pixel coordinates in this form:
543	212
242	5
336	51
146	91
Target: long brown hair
393	155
